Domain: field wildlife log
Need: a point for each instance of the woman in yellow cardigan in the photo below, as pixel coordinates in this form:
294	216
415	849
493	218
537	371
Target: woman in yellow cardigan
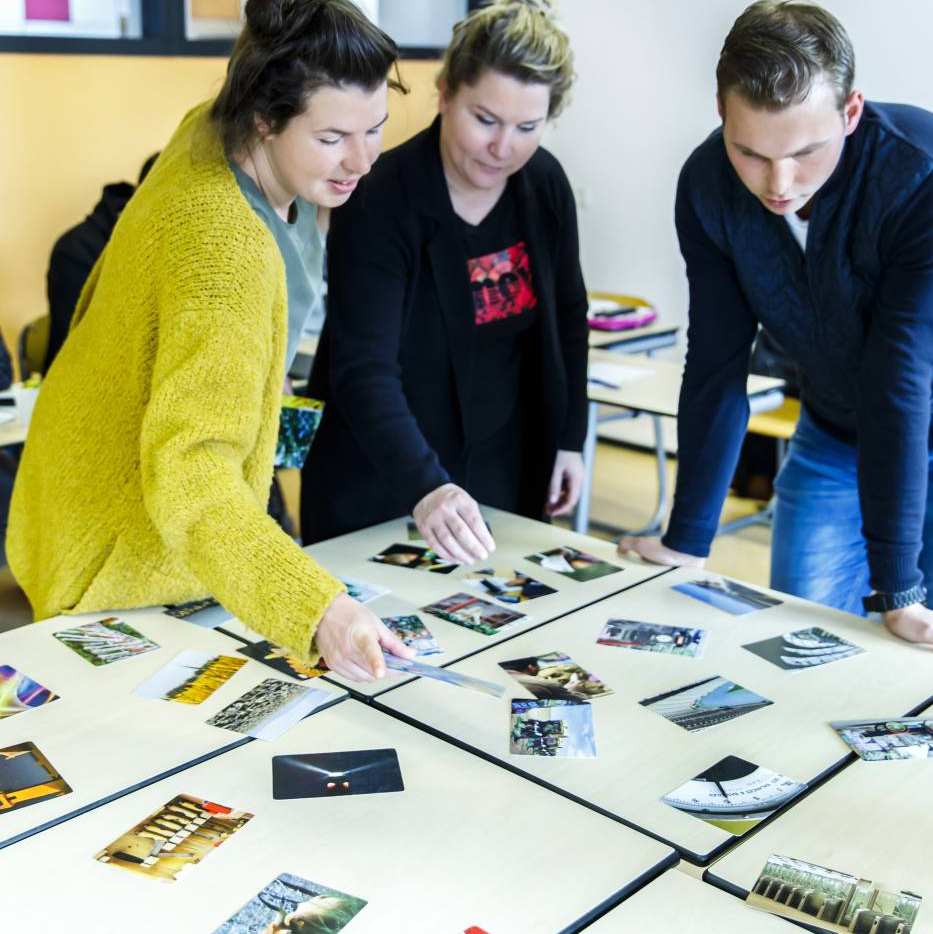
149	457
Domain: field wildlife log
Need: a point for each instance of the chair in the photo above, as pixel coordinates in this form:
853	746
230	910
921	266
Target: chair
32	347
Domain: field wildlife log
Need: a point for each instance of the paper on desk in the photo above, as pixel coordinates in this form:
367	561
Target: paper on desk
613	375
7	417
413	667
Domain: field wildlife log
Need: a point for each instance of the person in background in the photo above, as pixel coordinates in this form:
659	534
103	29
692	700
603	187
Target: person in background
150	452
810	212
453	355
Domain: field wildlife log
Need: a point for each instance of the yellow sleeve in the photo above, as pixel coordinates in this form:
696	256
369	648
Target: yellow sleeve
211	422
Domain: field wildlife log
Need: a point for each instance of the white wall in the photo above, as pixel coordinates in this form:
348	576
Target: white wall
644	99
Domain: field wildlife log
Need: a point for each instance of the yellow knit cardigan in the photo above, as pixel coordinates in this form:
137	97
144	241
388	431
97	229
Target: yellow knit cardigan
147	468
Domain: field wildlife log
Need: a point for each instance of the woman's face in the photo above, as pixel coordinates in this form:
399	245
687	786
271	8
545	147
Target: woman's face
325	150
490	129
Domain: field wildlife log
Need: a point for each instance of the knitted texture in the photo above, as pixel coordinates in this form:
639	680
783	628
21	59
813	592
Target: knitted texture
147	468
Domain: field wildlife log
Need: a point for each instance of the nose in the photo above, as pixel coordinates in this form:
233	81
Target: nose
357	160
501	145
781	178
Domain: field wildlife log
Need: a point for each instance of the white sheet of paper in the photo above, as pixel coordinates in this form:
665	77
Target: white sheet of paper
615	374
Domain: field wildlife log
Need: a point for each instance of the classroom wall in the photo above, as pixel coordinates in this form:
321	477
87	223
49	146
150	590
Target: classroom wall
72	123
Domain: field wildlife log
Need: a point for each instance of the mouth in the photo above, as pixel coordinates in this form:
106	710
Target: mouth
779	204
343	187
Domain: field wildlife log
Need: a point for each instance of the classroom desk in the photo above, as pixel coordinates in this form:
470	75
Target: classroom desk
12	432
515	537
643	756
872	820
648	339
465	844
656	394
676	902
103	738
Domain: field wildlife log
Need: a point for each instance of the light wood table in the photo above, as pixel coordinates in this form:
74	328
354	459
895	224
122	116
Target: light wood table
676	902
465	844
515	536
643	756
648	339
102	737
872	820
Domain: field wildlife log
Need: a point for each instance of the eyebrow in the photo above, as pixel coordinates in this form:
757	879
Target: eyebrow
495	116
339	132
812	147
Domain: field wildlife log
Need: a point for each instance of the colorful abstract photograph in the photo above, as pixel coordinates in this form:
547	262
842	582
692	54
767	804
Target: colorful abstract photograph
18	692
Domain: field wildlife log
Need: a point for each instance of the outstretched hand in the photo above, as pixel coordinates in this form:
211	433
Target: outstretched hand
913	623
654	552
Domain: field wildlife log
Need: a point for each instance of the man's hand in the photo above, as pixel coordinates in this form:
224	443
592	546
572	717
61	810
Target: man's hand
450	522
351	638
566	483
913	623
652	551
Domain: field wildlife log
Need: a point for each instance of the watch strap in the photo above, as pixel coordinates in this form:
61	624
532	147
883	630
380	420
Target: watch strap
885	602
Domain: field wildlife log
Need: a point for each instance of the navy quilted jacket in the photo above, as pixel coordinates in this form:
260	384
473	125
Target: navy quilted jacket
855	313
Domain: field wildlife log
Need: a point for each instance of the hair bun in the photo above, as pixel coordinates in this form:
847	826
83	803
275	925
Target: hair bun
266	18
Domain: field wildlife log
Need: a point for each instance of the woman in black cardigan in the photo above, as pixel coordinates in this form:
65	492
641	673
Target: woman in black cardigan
453	358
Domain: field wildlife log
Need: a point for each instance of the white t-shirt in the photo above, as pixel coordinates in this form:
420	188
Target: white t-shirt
798	227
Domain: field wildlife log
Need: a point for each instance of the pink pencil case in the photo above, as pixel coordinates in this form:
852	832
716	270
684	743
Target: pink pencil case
621	318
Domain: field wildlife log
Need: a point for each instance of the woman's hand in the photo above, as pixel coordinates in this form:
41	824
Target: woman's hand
913	623
652	551
450	522
351	639
566	483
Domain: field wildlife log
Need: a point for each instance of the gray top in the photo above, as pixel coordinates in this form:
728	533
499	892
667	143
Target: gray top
302	247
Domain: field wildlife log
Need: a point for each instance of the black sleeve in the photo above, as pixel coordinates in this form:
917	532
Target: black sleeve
713	410
372	252
894	403
64	281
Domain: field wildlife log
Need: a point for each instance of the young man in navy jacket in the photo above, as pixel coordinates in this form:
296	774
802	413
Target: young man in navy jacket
810	212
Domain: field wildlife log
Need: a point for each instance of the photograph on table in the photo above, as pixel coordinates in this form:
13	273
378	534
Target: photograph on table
706	703
180	834
832	900
298	421
18	692
106	641
331	774
569	562
290	903
479	615
555	675
269	709
206	613
190	677
27	777
734	795
363	592
415	557
888	740
507	585
414	667
653	637
413	632
552	728
726	595
805	648
282	660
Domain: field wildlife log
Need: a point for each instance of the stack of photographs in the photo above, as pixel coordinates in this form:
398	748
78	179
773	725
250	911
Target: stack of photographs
832	900
734	795
888	740
269	709
19	693
805	648
105	642
652	637
412	631
282	661
415	557
572	563
553	729
290	903
729	596
706	703
473	613
27	777
508	586
555	675
191	677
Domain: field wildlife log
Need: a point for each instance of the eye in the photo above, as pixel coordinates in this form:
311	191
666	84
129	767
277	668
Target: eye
486	121
328	142
375	131
527	127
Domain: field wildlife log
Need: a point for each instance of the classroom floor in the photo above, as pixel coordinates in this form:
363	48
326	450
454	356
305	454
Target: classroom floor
624	490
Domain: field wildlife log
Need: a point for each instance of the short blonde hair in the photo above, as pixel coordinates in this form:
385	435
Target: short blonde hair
519	38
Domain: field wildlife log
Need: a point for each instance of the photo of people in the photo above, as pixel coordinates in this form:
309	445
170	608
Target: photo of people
727	595
104	642
835	901
298	421
706	703
180	834
282	661
413	632
27	777
416	557
555	675
888	740
652	637
269	709
18	692
292	904
569	562
508	586
191	677
805	648
473	613
552	728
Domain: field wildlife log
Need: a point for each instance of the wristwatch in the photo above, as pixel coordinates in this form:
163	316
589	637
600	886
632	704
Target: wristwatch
884	602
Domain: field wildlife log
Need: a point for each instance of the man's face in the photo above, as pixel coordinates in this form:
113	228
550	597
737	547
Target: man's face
784	157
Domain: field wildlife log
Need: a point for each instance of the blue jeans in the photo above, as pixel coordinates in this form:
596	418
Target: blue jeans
817	548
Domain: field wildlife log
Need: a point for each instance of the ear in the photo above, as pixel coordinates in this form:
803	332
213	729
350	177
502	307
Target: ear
852	111
262	126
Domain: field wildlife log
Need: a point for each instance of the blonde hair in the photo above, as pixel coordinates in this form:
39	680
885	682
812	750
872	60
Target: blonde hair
519	38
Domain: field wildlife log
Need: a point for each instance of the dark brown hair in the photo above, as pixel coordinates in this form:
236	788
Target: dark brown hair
287	50
776	52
